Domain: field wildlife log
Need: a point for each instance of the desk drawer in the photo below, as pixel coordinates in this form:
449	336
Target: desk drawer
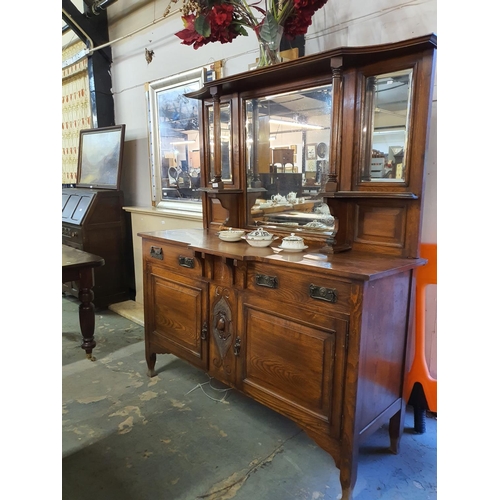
175	257
303	289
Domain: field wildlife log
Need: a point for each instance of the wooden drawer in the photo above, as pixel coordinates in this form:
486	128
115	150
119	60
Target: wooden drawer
300	289
175	257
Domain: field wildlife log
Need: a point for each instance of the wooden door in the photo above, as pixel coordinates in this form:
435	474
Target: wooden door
177	316
293	361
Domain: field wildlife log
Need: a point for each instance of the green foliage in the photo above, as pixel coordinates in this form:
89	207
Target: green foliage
240	29
202	26
269	29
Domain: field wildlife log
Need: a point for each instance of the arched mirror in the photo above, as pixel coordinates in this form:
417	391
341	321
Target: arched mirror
386	127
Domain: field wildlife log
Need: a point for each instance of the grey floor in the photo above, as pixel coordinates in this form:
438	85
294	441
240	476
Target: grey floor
182	436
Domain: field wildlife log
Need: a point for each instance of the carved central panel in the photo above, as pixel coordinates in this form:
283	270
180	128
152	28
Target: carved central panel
222	326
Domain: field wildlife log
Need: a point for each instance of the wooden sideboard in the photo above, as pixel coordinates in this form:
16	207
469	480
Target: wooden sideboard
319	338
319	335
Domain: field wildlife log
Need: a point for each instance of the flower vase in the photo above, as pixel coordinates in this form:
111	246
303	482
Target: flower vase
269	49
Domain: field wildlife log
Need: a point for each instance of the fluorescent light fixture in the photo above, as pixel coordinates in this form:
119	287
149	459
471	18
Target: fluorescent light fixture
183	142
295	124
380	132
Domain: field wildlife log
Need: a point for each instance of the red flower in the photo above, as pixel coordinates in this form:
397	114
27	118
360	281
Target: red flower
300	18
207	21
189	35
297	25
221	15
220	20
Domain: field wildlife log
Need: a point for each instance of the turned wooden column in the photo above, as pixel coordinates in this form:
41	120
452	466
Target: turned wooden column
367	119
217	182
336	132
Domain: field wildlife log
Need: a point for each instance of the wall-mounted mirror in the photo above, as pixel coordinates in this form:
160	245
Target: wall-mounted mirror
287	159
386	127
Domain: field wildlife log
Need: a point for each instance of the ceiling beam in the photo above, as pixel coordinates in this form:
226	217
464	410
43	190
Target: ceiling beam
93	31
94	27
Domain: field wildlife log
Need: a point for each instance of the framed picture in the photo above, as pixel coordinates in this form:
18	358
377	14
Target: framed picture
310	165
311	152
322	150
100	156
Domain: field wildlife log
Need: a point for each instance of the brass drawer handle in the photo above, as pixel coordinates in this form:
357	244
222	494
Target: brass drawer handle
186	262
156	253
267	281
322	293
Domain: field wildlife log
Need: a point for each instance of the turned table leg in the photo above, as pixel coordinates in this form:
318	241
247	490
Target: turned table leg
87	312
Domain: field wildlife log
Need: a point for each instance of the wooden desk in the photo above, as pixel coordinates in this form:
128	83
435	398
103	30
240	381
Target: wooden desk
78	265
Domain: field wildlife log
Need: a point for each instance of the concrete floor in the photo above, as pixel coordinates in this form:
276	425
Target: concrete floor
182	436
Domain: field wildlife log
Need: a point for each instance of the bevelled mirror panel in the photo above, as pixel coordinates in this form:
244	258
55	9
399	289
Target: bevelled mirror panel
287	159
386	127
225	143
211	140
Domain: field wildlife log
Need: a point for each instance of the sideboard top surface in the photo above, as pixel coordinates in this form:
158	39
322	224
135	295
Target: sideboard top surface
352	265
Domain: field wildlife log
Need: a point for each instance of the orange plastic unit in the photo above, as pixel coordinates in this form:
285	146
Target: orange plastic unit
419	371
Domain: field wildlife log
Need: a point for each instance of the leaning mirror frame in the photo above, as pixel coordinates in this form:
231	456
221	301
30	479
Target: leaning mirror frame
287	138
174	140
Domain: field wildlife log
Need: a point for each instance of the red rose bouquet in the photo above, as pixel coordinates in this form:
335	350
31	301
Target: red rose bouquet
207	21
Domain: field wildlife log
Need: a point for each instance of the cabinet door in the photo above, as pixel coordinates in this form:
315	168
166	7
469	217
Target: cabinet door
176	319
294	361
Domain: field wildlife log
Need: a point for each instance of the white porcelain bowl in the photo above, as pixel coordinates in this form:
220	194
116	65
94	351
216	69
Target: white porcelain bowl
259	234
259	242
259	238
231	234
292	243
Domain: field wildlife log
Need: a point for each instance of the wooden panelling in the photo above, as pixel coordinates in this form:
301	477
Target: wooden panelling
380	224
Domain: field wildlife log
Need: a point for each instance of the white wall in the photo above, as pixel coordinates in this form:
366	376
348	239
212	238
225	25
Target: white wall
339	23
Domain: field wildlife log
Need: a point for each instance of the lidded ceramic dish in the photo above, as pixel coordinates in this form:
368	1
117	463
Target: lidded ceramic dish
231	234
293	243
259	238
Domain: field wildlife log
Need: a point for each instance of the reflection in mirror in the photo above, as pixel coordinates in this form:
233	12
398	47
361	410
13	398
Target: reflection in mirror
385	131
225	142
211	140
287	159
